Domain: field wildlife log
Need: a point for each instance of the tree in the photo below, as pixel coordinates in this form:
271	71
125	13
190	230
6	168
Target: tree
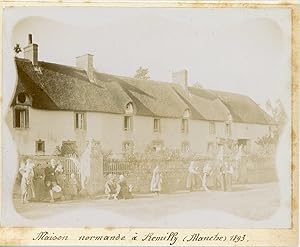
17	49
198	85
142	73
268	142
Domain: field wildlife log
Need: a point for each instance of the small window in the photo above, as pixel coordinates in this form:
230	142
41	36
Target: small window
184	125
157	145
40	146
185	147
128	146
212	128
129	108
80	120
127	123
228	130
21	118
22	98
210	147
186	113
156	125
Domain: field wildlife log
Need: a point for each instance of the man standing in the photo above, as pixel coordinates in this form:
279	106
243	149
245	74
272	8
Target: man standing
50	179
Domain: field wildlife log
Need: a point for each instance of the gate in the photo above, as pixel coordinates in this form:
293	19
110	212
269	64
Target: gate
70	166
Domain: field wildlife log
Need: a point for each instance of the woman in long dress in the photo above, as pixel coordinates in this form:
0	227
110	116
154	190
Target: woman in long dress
29	167
39	182
192	176
207	171
24	183
27	173
156	181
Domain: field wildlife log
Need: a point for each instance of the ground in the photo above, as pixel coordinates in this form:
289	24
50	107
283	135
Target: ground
251	202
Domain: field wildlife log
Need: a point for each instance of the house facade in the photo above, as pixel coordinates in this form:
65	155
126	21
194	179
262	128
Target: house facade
56	103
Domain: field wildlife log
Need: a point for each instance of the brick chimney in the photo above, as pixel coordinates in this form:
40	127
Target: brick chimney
181	77
86	62
31	51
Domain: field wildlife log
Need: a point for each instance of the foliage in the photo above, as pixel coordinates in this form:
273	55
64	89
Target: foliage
142	73
67	148
269	142
197	85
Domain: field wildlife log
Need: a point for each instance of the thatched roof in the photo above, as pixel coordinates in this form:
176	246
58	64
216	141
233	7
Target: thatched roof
59	87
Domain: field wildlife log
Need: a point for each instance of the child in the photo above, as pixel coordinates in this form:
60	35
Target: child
125	190
73	186
60	178
112	188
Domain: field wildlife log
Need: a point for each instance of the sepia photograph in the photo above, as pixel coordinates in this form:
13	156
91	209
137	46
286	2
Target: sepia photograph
147	117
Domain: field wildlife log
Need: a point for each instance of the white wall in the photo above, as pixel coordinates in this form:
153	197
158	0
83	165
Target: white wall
53	127
249	131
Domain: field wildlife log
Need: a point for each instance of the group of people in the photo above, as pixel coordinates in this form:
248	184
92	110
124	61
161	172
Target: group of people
222	174
36	180
117	188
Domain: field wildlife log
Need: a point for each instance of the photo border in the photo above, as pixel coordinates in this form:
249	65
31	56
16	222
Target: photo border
255	237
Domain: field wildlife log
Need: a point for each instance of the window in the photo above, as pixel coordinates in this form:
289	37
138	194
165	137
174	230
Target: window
23	99
128	123
210	147
80	120
245	143
129	108
127	146
184	125
185	147
156	125
212	128
40	146
157	145
228	130
21	118
185	121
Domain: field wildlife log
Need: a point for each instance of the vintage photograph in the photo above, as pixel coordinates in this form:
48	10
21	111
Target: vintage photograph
147	117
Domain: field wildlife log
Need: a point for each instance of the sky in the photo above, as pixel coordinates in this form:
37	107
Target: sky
245	51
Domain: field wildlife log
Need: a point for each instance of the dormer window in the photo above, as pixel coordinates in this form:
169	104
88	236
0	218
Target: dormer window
21	117
128	119
128	123
185	121
129	108
228	130
23	99
21	111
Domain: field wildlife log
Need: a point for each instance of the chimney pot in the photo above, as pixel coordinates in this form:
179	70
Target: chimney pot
29	39
181	77
31	51
86	62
